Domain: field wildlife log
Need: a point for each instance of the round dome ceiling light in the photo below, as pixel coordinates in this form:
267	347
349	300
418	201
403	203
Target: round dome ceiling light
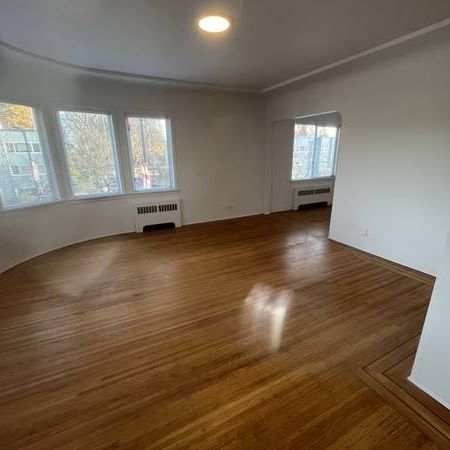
214	24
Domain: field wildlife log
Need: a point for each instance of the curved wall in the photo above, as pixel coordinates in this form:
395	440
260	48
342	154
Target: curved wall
218	145
28	232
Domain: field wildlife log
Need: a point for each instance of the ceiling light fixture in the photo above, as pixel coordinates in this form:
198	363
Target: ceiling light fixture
214	24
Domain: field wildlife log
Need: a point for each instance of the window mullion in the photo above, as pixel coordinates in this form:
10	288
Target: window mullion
313	165
56	153
335	150
123	151
170	157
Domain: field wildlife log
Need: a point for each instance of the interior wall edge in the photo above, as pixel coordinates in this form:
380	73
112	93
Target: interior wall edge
428	391
391	259
392	184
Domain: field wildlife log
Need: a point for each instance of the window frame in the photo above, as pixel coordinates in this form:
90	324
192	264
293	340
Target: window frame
46	155
51	140
64	157
335	156
170	150
12	172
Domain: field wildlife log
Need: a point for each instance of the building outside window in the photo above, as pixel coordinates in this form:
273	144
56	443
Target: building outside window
314	151
24	174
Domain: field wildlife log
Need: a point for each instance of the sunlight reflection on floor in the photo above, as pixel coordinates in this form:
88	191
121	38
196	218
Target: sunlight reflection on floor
265	311
72	283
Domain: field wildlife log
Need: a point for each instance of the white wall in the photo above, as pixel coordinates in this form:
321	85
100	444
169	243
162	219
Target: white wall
218	143
431	371
392	170
281	138
394	161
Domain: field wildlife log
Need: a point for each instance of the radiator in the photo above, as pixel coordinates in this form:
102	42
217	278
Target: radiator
157	212
312	194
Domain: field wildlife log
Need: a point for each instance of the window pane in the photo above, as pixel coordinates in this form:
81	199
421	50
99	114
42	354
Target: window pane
151	153
314	151
303	157
90	152
325	149
24	172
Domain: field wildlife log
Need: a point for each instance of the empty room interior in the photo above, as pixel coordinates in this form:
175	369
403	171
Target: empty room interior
224	224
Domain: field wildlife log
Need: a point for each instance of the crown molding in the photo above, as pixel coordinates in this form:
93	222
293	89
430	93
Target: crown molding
371	51
223	88
173	82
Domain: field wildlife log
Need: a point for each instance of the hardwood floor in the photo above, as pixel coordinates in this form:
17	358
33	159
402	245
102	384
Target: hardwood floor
249	333
389	376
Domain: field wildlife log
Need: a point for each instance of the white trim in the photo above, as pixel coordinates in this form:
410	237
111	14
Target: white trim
119	196
14	101
147	113
327	178
56	150
307	116
118	154
360	55
171	153
132	76
279	210
46	152
336	151
85	109
428	391
224	88
102	236
115	151
91	199
239	216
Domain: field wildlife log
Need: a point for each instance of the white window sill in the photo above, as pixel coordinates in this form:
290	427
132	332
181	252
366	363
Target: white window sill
91	199
307	180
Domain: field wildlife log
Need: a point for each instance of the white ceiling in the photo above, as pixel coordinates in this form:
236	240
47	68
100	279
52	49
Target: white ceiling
270	41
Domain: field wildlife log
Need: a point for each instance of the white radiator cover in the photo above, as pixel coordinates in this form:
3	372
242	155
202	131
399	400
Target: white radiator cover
156	212
313	193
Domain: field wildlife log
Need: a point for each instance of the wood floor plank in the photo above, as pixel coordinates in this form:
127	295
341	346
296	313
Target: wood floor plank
246	333
389	376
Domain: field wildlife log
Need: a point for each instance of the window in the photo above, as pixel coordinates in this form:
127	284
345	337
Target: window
90	161
90	152
151	153
15	170
21	182
314	151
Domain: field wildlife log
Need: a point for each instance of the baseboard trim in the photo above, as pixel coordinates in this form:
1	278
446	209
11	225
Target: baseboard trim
33	256
429	392
386	376
404	270
220	219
